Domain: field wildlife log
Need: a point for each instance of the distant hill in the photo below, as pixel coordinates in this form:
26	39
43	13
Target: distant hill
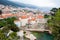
6	2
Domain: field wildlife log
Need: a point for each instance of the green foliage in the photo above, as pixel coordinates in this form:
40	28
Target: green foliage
54	24
14	28
5	30
46	16
13	36
8	24
2	36
54	9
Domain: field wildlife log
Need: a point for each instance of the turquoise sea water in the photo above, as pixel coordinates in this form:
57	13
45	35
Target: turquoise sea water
43	36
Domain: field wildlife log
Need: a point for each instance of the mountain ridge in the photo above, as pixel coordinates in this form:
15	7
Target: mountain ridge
6	2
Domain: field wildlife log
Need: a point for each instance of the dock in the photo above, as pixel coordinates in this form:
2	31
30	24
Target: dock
39	30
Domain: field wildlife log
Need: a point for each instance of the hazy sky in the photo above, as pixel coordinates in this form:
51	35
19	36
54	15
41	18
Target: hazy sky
41	3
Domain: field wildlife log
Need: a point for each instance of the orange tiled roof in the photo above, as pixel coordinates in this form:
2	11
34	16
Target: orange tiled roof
32	19
9	14
4	16
40	16
24	17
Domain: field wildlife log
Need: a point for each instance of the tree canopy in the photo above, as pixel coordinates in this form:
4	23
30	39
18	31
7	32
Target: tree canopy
6	25
54	24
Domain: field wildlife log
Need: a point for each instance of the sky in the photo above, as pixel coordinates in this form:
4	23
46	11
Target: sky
40	3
